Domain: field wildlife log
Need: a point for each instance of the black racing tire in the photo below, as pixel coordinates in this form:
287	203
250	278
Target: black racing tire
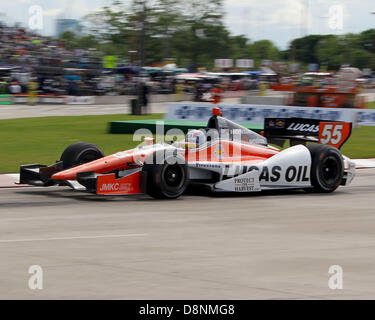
167	180
79	153
327	168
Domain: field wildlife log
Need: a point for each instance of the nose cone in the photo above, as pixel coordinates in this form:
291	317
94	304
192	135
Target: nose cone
103	165
70	174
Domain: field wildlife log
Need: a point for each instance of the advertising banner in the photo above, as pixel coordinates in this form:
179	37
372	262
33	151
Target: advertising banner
245	63
255	114
80	100
366	117
109	62
223	63
47	99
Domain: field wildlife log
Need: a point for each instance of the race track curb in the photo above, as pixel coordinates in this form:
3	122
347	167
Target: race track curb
9	180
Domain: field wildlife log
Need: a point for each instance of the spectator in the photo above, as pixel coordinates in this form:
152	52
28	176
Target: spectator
143	94
3	86
15	88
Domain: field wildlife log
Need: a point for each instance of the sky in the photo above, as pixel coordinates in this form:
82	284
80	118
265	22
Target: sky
278	20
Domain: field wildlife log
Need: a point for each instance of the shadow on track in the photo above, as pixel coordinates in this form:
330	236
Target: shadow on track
68	195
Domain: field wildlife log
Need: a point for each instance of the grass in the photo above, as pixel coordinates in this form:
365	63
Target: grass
42	140
361	144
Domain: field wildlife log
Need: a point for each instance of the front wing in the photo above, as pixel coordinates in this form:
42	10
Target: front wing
121	183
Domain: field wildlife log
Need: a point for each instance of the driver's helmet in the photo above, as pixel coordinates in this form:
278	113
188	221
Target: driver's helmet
197	137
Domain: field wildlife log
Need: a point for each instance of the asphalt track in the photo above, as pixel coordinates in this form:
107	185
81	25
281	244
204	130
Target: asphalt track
270	246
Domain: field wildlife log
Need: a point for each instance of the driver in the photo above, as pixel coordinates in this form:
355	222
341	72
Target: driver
197	137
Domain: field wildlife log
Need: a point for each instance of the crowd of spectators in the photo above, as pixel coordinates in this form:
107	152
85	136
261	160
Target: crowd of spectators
26	57
21	47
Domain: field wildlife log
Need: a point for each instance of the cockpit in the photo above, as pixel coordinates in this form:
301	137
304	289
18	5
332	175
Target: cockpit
229	130
220	128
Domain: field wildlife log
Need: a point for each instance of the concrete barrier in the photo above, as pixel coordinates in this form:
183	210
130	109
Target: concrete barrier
80	100
265	100
154	98
43	99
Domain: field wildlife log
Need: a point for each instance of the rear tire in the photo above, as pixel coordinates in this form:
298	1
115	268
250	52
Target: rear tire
79	153
168	180
327	168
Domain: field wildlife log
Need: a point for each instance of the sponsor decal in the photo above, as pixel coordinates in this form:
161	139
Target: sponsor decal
110	187
108	184
303	127
244	184
115	187
280	123
219	151
207	165
291	174
334	133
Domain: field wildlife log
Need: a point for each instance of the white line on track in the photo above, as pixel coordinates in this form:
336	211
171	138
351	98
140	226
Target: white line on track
77	238
13	175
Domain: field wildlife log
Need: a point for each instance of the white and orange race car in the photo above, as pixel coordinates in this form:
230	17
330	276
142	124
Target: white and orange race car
224	157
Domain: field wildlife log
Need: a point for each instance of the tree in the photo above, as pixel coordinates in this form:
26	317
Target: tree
204	20
304	49
329	52
110	27
367	40
239	46
167	18
69	39
263	49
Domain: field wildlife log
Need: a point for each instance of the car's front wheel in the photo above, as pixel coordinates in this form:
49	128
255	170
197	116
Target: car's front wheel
167	180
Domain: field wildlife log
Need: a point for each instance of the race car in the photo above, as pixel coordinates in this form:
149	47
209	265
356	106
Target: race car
223	157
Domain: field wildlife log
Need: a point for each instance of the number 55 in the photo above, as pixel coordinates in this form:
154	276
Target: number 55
333	133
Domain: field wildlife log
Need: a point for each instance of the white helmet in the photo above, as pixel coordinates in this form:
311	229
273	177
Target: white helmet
196	136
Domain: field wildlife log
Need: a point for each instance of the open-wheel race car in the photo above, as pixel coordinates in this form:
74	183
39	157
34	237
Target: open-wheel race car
224	157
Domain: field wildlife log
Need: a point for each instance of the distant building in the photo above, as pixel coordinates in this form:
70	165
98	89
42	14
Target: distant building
63	25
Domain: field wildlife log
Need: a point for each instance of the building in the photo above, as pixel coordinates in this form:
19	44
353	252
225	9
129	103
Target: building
63	25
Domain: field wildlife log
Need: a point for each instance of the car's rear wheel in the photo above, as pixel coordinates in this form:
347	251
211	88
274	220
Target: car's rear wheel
79	153
167	180
327	168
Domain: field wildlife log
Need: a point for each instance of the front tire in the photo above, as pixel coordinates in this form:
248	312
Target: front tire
327	168
79	153
168	180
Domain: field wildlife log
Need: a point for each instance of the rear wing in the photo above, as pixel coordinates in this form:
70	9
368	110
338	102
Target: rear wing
300	131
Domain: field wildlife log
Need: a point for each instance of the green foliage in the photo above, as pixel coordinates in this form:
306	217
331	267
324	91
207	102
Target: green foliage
193	33
263	49
329	52
304	49
357	50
